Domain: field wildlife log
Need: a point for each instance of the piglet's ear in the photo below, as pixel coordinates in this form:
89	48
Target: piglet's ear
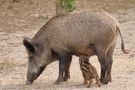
28	45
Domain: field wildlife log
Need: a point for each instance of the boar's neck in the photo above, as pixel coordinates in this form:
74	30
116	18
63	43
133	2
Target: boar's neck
48	25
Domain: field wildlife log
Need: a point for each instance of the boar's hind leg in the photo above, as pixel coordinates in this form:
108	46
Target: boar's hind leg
67	73
63	60
101	54
109	64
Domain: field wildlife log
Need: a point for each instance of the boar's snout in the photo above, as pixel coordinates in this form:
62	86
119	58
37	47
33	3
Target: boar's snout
34	75
28	83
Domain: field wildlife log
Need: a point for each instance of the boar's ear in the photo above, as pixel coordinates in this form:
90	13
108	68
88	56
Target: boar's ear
27	43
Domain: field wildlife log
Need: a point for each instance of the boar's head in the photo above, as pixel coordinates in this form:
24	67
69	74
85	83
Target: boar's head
39	57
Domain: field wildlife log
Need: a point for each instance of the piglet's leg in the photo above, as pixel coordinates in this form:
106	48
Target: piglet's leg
89	83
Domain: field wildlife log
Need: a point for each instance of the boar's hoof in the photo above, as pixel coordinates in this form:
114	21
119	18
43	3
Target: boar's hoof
57	82
28	83
65	78
104	81
101	80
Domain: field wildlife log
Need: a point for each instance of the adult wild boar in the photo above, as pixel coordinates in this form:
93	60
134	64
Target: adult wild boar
73	34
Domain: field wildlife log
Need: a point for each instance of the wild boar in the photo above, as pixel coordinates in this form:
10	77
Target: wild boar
73	34
89	72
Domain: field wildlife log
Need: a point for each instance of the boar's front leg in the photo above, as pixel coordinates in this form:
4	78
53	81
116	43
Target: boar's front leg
63	60
67	73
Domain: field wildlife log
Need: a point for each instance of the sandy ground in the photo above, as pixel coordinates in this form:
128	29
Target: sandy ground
13	58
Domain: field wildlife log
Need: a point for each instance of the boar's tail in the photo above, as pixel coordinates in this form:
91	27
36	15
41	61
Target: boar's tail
122	42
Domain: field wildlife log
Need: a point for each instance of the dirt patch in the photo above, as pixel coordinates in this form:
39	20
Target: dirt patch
25	17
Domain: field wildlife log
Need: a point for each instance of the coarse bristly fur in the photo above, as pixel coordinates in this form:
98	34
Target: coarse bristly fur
73	34
89	72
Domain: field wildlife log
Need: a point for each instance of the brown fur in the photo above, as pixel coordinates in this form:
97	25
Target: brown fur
72	34
89	71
